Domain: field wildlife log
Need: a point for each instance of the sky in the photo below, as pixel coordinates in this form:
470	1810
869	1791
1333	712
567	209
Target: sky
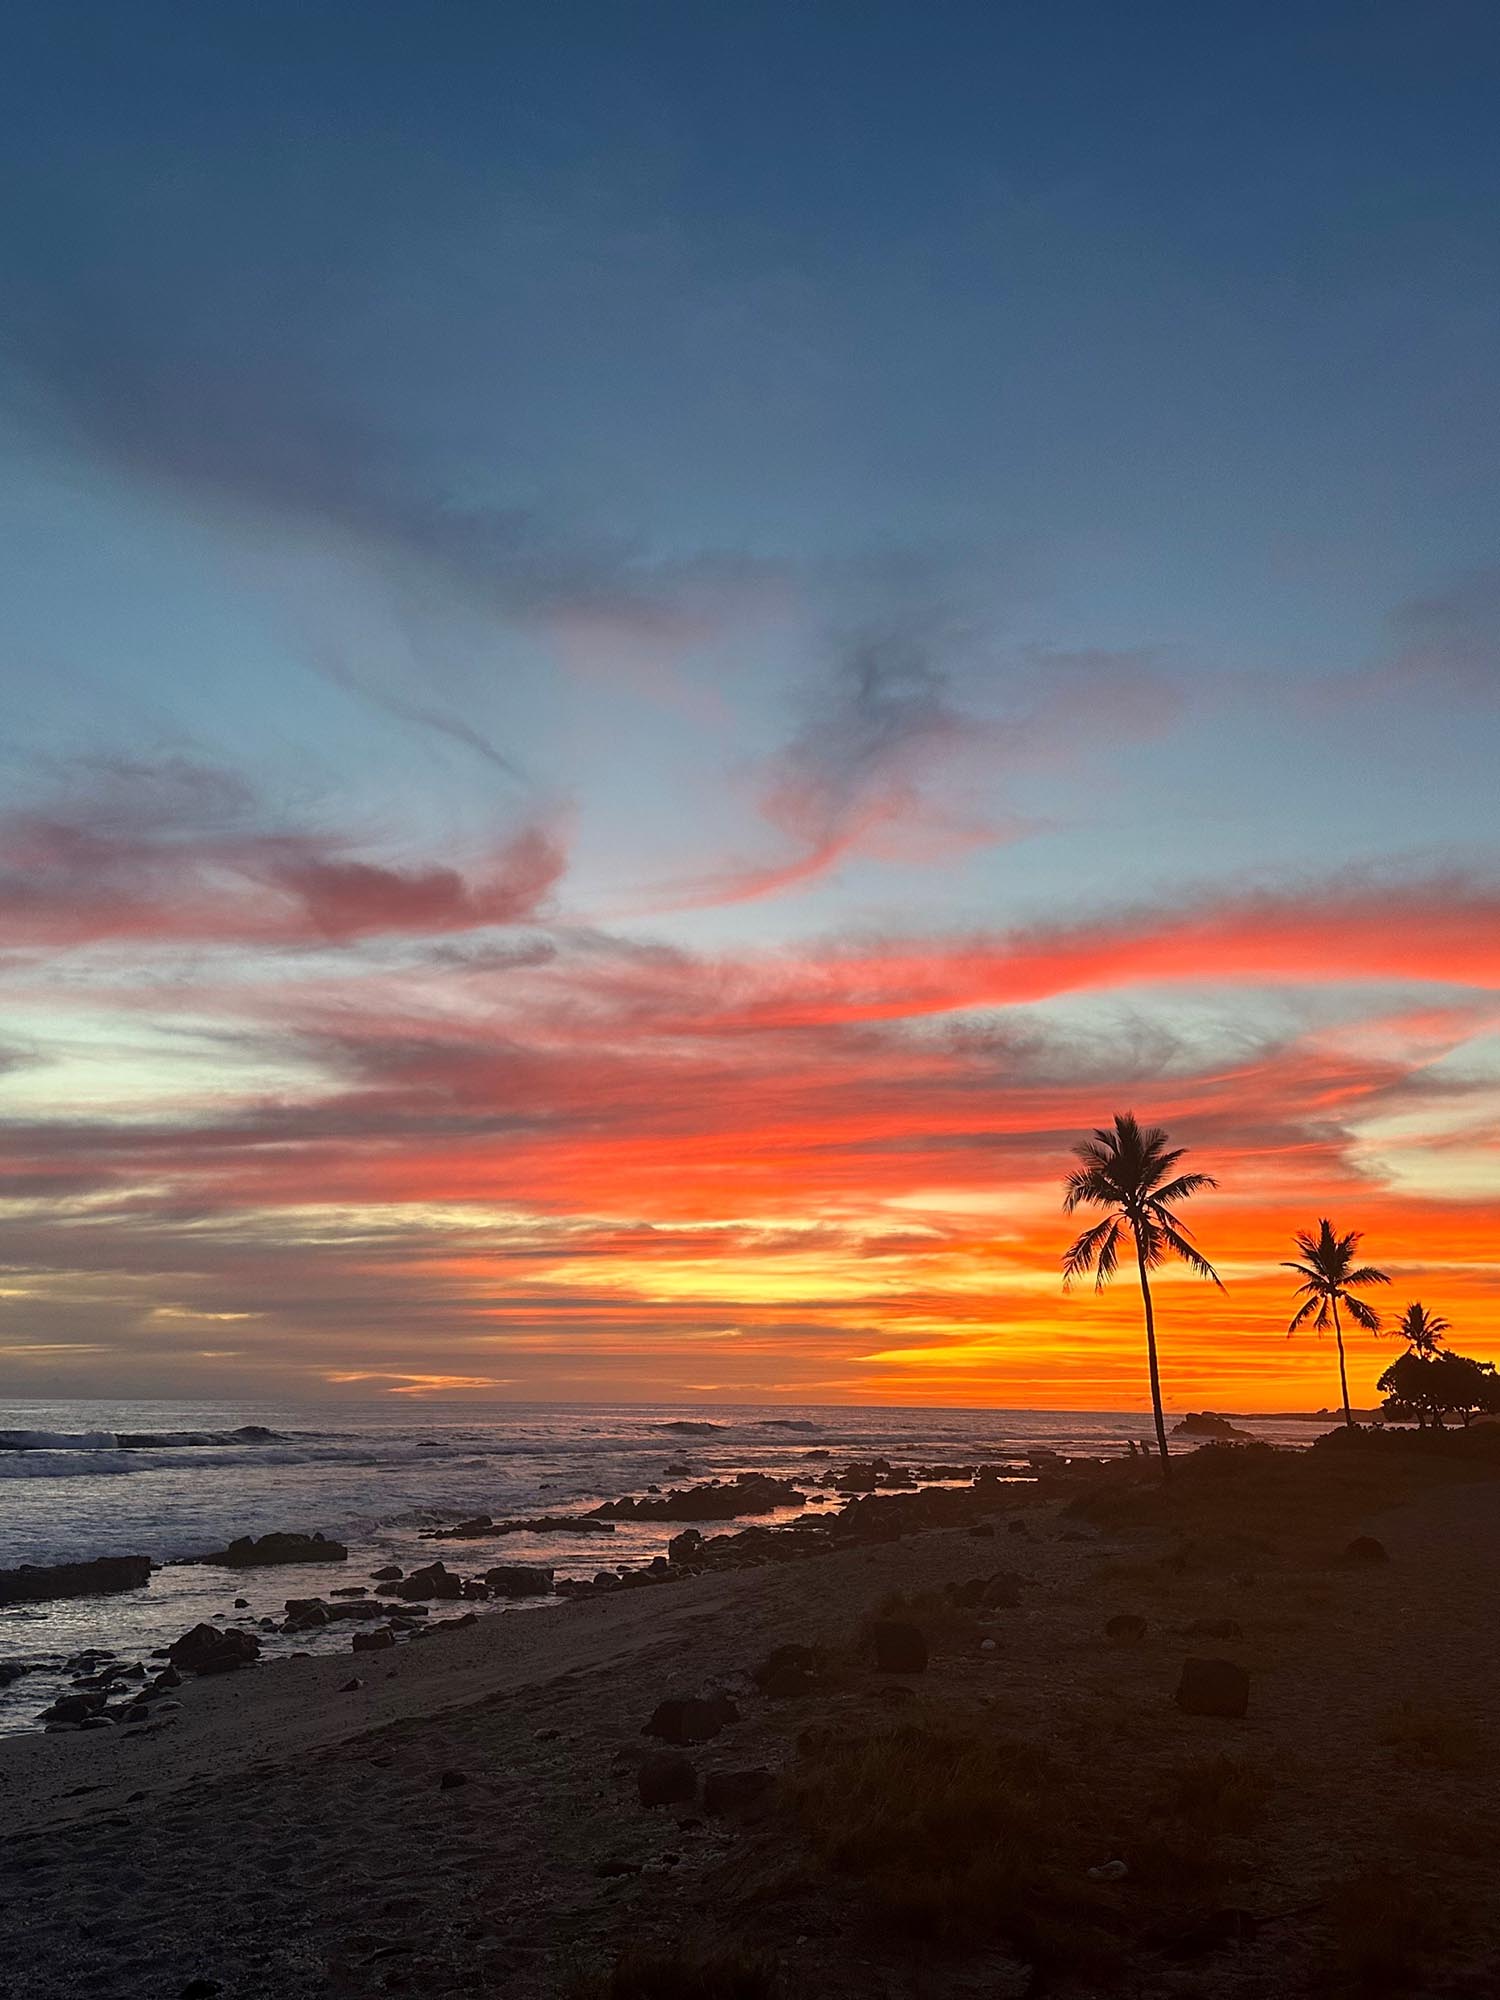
652	651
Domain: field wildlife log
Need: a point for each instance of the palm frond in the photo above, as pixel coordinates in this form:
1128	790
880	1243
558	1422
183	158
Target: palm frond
1368	1275
1191	1255
1308	1306
1183	1188
1078	1259
1361	1314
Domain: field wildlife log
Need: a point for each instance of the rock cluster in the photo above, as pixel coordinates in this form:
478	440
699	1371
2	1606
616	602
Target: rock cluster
32	1583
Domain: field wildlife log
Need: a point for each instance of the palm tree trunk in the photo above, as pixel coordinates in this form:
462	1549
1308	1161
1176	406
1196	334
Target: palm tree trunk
1338	1334
1161	1427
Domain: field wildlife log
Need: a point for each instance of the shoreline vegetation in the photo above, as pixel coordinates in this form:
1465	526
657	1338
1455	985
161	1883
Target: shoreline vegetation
961	1747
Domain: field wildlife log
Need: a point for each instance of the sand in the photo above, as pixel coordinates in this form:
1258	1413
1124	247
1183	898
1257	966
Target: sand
282	1838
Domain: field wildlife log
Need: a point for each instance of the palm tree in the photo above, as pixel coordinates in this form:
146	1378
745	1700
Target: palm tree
1132	1175
1421	1330
1327	1264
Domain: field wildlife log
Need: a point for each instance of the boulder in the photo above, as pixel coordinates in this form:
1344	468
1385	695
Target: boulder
379	1641
690	1720
1365	1549
1125	1626
729	1791
720	1500
387	1573
518	1581
32	1583
251	1552
1213	1687
1204	1424
665	1780
1214	1628
899	1648
451	1781
433	1581
1002	1591
686	1547
207	1650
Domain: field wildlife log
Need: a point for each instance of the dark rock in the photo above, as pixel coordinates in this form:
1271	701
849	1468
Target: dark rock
388	1573
983	1531
684	1548
450	1781
251	1552
12	1670
1204	1424
1213	1687
1002	1591
482	1528
519	1581
379	1641
689	1720
727	1500
608	1869
729	1791
433	1581
1019	1526
200	1989
204	1650
679	1469
1214	1628
664	1780
349	1590
73	1708
899	1648
781	1659
32	1583
1125	1625
242	1604
352	1687
1365	1549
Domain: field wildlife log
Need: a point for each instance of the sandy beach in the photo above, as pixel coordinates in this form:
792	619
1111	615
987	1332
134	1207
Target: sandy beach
283	1836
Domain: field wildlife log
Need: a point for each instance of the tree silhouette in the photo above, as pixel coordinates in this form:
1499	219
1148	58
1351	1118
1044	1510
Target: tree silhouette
1327	1264
1425	1388
1132	1176
1421	1330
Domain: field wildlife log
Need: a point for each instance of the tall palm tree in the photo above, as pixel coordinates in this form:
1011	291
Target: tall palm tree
1421	1330
1327	1265
1132	1175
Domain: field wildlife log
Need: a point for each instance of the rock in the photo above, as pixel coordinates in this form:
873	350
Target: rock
1204	1424
678	1469
433	1581
349	1590
1019	1526
1213	1687
987	1646
74	1708
242	1604
379	1641
664	1780
1109	1871
168	1677
899	1648
200	1989
690	1720
32	1583
983	1531
450	1781
685	1547
1002	1591
1214	1628
1125	1626
729	1791
250	1552
518	1581
721	1500
482	1528
352	1687
12	1670
608	1869
1365	1549
388	1573
205	1650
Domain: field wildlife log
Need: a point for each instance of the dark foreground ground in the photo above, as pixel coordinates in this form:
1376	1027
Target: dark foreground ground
1032	1814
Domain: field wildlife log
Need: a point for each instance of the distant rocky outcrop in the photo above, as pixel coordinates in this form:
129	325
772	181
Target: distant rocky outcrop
482	1528
1204	1424
720	1500
32	1583
261	1552
208	1649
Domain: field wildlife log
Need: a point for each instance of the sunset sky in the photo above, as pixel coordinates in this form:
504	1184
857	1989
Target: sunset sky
652	650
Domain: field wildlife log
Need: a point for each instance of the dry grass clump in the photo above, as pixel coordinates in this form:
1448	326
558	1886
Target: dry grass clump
944	1624
959	1840
1435	1735
1386	1928
725	1972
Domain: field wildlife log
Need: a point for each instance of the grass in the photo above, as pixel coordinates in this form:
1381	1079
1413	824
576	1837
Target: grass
1434	1735
1386	1929
959	1840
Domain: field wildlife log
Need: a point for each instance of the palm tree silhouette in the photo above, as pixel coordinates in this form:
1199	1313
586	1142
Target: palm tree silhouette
1328	1266
1132	1176
1421	1330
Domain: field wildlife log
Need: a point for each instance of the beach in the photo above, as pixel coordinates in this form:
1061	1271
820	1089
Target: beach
469	1819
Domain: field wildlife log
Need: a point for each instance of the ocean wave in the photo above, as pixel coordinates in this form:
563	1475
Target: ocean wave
133	1440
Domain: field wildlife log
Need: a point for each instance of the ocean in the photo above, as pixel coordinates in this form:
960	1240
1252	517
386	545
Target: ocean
173	1480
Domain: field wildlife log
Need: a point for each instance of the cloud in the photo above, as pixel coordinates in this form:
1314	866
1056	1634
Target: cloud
178	852
1450	638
